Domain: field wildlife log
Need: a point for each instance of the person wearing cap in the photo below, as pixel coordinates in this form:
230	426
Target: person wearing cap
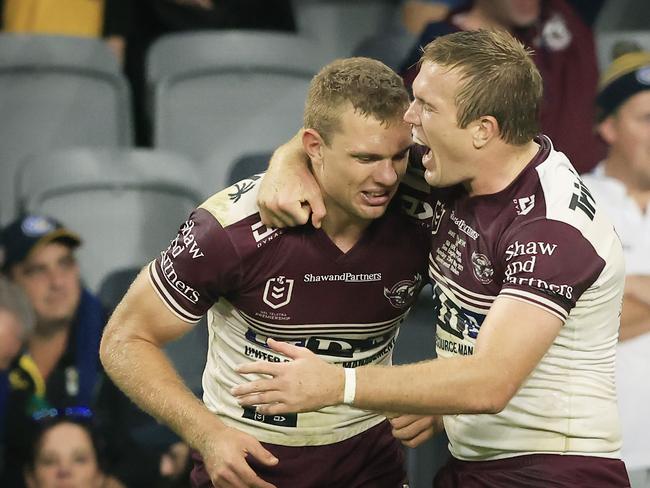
622	183
59	365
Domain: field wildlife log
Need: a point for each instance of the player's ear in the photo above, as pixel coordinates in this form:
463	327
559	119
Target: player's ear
313	144
483	130
607	130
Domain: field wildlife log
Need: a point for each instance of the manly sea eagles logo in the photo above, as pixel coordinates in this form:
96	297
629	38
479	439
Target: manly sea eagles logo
402	293
277	292
482	267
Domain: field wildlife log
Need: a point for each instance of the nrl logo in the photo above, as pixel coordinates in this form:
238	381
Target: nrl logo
277	292
402	293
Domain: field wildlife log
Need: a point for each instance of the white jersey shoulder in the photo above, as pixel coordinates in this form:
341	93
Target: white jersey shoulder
569	200
236	202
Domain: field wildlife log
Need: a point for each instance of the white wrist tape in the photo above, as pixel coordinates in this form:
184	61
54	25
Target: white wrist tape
350	388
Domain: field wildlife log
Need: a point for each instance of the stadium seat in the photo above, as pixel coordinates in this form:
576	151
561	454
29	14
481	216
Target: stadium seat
618	15
126	204
391	49
247	165
605	41
57	92
340	25
218	95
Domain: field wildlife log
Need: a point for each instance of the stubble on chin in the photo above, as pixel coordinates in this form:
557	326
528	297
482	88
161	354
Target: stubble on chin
48	327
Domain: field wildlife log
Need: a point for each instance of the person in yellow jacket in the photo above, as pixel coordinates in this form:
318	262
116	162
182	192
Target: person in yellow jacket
81	18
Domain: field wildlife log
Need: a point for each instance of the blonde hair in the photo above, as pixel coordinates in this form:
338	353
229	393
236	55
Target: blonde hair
498	78
371	87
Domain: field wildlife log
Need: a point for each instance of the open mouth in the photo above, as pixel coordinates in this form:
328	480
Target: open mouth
428	155
376	198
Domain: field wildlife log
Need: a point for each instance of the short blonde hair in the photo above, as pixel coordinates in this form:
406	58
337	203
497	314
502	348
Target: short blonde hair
498	78
371	87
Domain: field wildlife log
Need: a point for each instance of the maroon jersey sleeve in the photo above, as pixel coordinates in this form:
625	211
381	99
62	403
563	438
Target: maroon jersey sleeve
200	264
548	263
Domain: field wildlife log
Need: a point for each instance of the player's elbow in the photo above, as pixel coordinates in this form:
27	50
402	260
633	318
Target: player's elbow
490	397
494	397
112	345
107	348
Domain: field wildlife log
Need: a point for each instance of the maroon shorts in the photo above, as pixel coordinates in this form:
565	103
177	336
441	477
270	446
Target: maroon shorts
372	459
534	471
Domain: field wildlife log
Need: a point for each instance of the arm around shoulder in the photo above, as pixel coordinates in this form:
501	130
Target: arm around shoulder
289	193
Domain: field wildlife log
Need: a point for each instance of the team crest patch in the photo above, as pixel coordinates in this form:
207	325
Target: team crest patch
402	293
555	33
36	225
277	292
482	268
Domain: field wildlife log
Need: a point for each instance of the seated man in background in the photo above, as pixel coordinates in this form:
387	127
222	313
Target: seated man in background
16	321
341	291
59	366
621	184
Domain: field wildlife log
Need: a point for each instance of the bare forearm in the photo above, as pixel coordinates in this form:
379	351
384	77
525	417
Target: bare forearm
637	287
433	387
144	373
290	154
635	318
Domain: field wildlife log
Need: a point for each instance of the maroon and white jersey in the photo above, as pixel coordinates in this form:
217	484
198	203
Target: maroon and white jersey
293	285
543	241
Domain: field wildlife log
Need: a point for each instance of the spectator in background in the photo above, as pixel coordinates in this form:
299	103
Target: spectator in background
65	451
564	53
417	14
175	466
83	18
60	364
16	321
621	183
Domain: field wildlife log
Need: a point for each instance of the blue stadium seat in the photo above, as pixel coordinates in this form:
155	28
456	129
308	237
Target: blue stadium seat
57	92
126	204
218	95
605	41
340	25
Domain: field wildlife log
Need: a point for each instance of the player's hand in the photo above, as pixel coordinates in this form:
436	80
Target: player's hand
413	430
289	194
224	455
305	384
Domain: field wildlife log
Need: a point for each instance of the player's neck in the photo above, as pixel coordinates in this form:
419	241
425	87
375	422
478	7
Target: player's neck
342	229
500	167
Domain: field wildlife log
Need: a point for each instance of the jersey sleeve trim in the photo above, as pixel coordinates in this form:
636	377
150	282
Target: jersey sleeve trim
537	300
167	299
